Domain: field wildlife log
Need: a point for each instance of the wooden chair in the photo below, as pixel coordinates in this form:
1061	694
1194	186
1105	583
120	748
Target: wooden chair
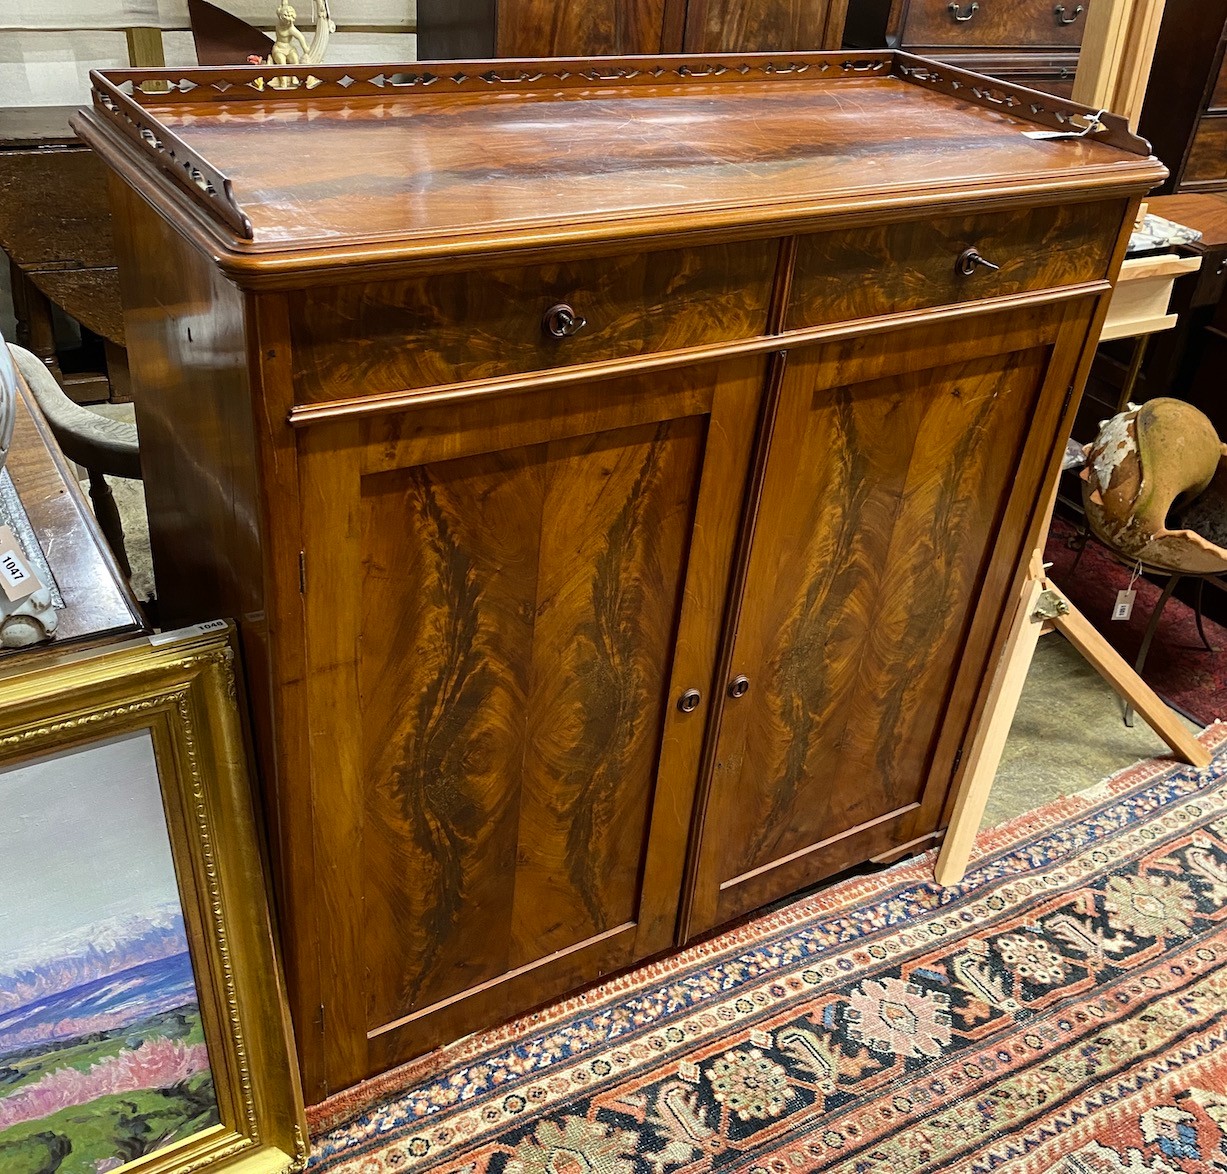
100	445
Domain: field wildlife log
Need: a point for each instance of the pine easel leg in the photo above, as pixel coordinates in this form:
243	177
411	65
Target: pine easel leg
1110	665
986	748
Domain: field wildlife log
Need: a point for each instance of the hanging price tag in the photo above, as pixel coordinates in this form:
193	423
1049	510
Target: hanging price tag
1124	599
17	578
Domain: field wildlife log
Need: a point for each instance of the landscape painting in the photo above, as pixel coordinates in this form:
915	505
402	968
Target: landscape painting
102	1054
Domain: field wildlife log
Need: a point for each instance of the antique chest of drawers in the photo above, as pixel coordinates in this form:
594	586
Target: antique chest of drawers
618	470
1029	42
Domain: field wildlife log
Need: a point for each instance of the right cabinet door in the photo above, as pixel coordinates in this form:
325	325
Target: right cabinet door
902	473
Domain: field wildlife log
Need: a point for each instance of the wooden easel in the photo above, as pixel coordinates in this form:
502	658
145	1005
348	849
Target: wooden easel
1042	607
1112	73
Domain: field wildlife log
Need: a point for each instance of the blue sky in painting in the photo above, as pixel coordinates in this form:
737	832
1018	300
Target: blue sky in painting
84	854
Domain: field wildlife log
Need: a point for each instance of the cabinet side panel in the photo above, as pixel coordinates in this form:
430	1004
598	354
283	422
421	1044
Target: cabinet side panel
188	351
188	359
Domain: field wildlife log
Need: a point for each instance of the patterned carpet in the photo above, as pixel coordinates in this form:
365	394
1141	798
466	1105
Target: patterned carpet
1178	668
1065	1009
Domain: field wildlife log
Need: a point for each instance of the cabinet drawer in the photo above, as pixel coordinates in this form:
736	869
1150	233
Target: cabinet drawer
1208	155
994	22
913	264
355	340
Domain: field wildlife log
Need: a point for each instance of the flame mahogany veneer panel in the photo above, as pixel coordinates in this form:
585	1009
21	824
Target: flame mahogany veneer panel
520	610
504	780
763	26
890	268
864	580
371	338
548	28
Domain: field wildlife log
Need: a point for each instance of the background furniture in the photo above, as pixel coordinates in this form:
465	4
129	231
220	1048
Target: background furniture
1186	361
1189	363
101	446
1185	113
98	604
1118	49
448	30
622	520
1029	42
55	227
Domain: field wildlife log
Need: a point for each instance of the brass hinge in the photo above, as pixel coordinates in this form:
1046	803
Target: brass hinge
302	572
1049	606
958	757
1069	395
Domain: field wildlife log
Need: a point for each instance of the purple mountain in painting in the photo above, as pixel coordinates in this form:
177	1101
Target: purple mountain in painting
102	950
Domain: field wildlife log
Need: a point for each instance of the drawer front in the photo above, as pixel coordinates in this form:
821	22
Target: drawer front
356	340
995	22
913	265
1207	162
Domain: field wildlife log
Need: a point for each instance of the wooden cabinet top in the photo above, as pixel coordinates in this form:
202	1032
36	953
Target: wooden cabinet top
277	170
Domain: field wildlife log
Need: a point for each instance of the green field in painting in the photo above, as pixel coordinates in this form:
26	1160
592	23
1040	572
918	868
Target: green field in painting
121	1126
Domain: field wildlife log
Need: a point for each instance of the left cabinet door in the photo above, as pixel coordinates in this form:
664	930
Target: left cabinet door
505	601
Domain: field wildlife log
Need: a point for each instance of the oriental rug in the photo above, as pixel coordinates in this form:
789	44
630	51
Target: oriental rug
1178	667
1064	1009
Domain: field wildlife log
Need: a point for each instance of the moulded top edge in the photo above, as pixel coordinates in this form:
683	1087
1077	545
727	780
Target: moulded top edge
342	156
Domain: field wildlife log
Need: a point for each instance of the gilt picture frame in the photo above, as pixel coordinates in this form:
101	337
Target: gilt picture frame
144	1026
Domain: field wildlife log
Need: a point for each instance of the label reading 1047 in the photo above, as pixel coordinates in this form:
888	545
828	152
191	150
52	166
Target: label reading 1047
16	576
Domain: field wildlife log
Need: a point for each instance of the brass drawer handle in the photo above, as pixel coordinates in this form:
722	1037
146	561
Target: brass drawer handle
969	260
562	322
1059	12
957	12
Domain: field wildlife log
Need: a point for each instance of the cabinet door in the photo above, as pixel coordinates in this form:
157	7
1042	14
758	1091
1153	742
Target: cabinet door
504	602
902	473
764	26
601	28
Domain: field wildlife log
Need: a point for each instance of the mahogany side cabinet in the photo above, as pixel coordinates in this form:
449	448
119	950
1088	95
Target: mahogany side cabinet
619	469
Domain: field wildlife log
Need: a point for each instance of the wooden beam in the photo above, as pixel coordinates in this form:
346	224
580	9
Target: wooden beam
145	49
1110	665
1117	50
985	754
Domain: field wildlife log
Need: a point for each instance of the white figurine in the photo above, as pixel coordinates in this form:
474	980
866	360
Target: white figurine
289	45
28	622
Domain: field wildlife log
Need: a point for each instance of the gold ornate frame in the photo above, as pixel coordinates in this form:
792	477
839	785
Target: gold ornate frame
182	689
